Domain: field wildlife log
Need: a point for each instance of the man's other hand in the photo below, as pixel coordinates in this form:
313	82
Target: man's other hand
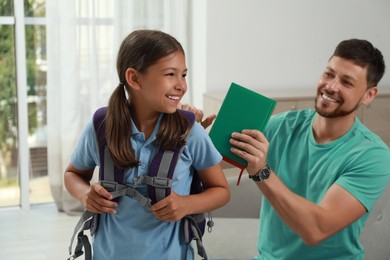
198	115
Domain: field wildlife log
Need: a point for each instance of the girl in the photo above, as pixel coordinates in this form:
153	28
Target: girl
141	116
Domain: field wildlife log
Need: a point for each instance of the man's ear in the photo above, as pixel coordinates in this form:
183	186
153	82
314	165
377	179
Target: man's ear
132	78
370	95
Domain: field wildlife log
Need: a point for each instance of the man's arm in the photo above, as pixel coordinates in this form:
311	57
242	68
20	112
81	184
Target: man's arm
312	222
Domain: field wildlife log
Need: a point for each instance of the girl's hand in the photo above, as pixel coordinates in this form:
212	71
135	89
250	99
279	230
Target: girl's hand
172	208
98	199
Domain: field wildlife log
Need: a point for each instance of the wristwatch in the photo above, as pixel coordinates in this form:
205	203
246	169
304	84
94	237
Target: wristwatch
262	175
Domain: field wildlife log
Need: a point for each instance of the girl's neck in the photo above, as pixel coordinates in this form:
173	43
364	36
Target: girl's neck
145	121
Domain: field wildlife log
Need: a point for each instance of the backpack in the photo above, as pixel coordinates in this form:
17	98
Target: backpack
158	181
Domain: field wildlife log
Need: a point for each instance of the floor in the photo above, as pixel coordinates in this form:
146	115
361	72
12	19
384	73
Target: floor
43	233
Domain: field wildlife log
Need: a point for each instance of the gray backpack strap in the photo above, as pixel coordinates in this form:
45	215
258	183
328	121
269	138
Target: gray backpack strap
119	190
89	220
161	171
108	173
192	232
86	221
166	163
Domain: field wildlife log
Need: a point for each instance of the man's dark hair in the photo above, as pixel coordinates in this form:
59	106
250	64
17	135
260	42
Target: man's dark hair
365	55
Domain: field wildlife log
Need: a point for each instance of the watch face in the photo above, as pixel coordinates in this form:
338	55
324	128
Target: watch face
262	175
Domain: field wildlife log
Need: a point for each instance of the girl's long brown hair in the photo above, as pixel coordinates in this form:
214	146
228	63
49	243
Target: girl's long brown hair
140	50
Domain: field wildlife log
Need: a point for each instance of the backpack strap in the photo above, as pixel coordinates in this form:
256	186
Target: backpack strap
163	165
162	168
112	177
107	170
194	225
88	221
192	231
82	239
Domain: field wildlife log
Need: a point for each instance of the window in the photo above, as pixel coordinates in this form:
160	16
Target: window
34	30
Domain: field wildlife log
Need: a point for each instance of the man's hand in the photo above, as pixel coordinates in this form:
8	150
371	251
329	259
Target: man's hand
252	146
198	115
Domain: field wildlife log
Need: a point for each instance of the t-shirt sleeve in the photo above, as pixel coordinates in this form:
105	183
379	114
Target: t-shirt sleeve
274	123
368	177
203	152
85	156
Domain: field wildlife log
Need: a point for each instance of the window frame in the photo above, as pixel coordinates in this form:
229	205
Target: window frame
20	21
21	87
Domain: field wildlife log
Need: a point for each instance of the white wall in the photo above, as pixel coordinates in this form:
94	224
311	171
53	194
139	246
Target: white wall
283	44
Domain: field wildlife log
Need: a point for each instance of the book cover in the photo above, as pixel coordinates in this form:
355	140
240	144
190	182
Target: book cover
241	109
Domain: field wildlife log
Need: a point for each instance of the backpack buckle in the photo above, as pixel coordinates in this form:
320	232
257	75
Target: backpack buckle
161	182
109	185
138	181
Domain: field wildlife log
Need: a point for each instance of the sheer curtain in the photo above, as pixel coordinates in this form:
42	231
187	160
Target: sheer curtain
83	38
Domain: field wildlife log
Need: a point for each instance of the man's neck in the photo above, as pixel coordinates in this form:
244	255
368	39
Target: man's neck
326	130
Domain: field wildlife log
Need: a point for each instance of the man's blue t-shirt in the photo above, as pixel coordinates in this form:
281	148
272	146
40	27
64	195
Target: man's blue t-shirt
134	232
358	161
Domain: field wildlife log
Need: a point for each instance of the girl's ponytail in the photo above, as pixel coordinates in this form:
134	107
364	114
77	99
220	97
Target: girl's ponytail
118	128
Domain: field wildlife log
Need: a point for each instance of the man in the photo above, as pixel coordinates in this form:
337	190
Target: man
320	171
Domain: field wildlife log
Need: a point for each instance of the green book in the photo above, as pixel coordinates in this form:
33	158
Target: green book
241	109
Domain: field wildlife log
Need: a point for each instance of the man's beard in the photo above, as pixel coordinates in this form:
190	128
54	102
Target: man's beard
338	112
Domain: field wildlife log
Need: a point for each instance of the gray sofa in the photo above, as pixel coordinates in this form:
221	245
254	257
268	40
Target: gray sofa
246	201
376	235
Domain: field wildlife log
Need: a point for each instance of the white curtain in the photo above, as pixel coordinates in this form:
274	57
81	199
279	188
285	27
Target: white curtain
83	38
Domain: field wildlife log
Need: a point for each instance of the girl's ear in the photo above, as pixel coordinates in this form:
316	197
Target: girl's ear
132	78
369	95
